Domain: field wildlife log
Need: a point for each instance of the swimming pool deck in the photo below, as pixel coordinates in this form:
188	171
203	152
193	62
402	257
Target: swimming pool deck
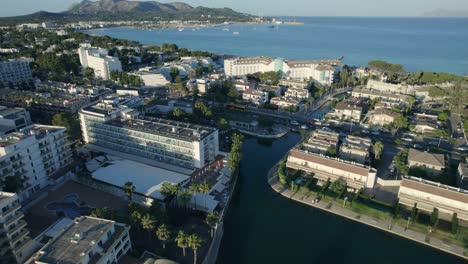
383	225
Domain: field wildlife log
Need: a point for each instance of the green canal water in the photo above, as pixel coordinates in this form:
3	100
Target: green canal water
263	227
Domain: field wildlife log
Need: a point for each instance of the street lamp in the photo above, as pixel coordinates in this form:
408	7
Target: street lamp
407	223
344	201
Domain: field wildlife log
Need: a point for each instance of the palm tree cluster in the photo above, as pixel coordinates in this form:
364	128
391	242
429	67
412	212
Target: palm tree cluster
185	240
183	195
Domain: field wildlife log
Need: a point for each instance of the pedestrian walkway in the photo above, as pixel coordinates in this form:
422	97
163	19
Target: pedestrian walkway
384	225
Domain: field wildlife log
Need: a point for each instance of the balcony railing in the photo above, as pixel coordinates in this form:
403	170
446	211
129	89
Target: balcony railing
12	209
21	224
18	216
20	236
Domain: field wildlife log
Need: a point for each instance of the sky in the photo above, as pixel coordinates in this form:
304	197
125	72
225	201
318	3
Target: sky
280	7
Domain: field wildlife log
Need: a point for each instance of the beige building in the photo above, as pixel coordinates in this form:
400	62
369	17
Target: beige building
294	83
428	195
283	102
382	117
462	174
390	97
356	175
297	93
347	111
254	96
355	149
14	238
276	90
320	141
432	163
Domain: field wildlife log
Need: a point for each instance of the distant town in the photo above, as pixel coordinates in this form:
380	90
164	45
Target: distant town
116	152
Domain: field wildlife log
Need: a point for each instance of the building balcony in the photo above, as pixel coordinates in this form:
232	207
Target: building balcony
16	158
12	209
48	165
4	164
47	158
18	166
20	236
13	219
24	244
5	173
21	224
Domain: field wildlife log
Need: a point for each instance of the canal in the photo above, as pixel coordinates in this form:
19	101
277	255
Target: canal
263	227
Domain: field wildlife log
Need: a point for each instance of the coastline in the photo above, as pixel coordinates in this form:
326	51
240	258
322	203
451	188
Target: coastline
385	226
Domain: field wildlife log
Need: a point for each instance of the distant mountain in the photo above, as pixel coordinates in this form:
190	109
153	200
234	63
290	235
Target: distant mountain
117	10
446	13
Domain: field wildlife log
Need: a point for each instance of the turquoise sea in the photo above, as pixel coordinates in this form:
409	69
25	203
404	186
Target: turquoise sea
429	44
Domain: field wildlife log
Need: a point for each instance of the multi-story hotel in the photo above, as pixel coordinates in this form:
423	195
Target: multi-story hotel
13	119
29	158
99	60
357	176
86	240
322	71
427	195
14	237
15	72
114	127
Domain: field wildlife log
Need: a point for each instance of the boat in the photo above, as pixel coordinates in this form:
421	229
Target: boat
181	29
235	33
225	29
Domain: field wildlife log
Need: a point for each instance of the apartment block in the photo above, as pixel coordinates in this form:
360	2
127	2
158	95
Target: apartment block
324	168
14	237
86	240
389	97
462	174
256	97
99	60
321	140
432	163
284	102
355	149
297	93
13	119
294	83
344	110
15	71
114	127
32	157
382	117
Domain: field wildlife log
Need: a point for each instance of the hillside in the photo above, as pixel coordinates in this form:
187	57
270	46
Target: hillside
113	10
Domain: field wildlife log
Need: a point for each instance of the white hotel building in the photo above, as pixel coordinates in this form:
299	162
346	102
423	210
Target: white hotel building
322	71
99	60
15	71
113	127
34	154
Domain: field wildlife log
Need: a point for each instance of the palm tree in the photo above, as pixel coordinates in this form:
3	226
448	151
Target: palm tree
212	220
163	234
205	189
129	188
135	219
185	197
182	241
194	189
147	222
194	242
166	188
378	149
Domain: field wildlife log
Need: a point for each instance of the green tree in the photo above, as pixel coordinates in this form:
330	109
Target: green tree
385	66
338	186
13	184
331	151
147	222
195	242
443	116
414	212
271	77
400	122
70	122
103	212
194	189
182	241
129	189
378	149
235	155
163	234
174	72
178	113
223	124
435	217
205	189
212	220
410	102
455	224
185	196
88	73
265	122
437	92
135	219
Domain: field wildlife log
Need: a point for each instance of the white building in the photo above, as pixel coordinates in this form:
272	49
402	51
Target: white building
254	96
13	119
322	71
297	93
86	240
15	72
152	79
113	127
35	155
283	102
99	60
16	242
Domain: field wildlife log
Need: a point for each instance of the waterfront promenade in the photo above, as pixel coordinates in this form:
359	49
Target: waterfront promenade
384	225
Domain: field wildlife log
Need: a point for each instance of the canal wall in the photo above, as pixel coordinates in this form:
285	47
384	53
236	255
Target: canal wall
383	225
275	136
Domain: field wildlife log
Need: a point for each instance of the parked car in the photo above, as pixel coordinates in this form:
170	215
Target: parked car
294	123
317	199
304	126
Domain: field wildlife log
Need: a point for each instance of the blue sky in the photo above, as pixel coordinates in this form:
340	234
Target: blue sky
279	7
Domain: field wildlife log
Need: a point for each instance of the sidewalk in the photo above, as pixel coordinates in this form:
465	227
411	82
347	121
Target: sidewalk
380	224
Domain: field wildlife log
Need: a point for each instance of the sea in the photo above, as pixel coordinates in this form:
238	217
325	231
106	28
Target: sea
427	44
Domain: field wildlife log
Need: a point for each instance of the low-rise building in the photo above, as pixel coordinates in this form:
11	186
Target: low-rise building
424	126
462	174
389	87
432	163
15	72
13	119
242	86
294	83
255	96
382	117
321	141
297	93
151	79
274	89
16	243
324	168
355	149
389	97
86	240
284	102
345	111
166	106
427	195
34	155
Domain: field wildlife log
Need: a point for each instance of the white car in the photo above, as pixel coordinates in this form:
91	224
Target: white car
304	127
294	123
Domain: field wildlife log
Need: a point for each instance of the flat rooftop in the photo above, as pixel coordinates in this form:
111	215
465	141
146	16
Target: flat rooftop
77	239
39	131
147	179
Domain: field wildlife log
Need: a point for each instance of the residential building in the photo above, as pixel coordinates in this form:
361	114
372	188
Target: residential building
166	106
15	72
36	155
389	87
388	97
355	149
255	96
13	119
243	85
113	127
99	60
297	93
15	240
86	240
427	195
203	85
325	168
432	163
382	117
273	89
283	102
462	174
321	141
294	83
345	111
151	79
424	126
